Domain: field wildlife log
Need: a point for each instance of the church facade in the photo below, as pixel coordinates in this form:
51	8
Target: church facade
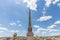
30	34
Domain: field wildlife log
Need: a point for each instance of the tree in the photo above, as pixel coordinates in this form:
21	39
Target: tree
15	35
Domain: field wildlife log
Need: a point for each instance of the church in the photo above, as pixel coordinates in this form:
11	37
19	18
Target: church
30	34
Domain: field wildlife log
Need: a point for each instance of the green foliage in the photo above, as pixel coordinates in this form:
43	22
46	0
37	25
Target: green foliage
15	35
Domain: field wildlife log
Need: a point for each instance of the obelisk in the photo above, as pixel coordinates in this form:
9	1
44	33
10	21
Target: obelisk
30	33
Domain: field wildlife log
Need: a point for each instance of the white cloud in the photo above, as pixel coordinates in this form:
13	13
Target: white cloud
48	2
53	30
44	18
16	23
55	1
41	29
13	24
44	32
57	22
31	4
36	26
13	31
58	4
52	26
1	31
37	32
44	11
3	28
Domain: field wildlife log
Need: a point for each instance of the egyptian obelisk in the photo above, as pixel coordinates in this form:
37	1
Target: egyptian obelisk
29	33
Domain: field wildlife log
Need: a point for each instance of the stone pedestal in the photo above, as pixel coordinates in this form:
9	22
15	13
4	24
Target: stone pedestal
30	38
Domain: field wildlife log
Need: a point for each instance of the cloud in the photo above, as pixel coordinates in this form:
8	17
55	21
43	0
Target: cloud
13	31
44	32
15	23
49	29
55	1
48	2
53	30
57	22
46	5
39	30
36	26
52	26
3	28
1	31
44	18
32	4
58	4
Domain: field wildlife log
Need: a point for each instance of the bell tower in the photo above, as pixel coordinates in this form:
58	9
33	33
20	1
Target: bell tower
29	33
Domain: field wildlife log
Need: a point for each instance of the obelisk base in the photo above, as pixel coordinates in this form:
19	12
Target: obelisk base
30	38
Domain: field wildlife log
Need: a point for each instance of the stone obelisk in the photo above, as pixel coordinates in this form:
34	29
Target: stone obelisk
29	33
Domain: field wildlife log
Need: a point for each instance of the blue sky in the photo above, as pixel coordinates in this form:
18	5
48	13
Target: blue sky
14	17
